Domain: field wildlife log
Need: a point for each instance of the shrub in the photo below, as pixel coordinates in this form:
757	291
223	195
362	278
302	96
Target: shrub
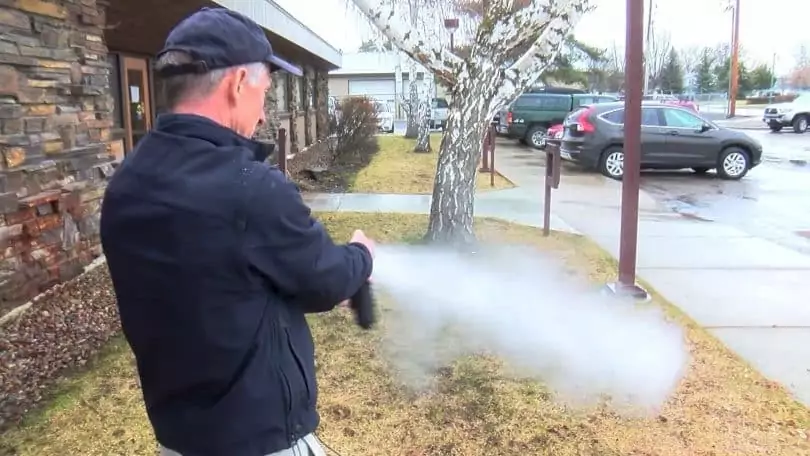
355	126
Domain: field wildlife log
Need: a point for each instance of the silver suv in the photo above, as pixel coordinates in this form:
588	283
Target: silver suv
795	114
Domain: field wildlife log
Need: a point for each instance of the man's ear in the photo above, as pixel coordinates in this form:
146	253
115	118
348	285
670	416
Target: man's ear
238	82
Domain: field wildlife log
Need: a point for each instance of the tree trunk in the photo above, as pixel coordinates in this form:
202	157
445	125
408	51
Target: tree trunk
452	207
423	139
412	130
425	104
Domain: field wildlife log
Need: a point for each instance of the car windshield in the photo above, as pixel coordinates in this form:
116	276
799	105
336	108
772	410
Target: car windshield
440	103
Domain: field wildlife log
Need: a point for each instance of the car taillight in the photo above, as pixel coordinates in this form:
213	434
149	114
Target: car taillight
508	117
582	124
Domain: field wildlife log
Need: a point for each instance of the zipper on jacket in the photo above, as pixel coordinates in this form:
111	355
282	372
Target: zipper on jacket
300	365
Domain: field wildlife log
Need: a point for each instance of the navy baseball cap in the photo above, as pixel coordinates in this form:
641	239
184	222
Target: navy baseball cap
220	38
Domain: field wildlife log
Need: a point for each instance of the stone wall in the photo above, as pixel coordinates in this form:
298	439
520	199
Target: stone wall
55	139
293	104
321	102
309	109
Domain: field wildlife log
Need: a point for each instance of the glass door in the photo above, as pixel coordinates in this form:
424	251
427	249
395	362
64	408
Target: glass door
136	99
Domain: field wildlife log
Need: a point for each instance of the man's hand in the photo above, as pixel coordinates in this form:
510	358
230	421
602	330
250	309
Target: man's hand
360	237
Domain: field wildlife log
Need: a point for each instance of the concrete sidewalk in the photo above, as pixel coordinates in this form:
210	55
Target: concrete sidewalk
750	293
514	205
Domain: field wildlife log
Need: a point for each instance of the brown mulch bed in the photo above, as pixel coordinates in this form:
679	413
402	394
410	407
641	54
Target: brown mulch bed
59	333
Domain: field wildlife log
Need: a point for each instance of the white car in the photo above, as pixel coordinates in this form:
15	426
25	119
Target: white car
795	114
438	113
385	117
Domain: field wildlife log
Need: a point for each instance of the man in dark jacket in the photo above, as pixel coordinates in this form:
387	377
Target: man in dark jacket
215	258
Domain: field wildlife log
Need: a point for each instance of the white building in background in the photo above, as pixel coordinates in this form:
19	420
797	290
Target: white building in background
382	75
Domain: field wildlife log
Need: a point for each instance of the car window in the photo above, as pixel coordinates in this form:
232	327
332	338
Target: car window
616	116
440	103
605	100
649	117
583	101
544	102
677	118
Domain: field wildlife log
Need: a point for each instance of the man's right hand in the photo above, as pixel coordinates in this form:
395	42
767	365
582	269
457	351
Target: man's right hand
360	237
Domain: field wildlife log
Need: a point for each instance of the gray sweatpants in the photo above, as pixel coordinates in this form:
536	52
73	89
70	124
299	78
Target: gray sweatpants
309	445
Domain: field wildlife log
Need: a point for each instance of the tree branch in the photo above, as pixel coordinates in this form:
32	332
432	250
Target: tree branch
429	53
555	21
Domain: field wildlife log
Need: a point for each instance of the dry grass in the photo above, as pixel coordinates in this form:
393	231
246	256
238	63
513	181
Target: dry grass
397	169
722	407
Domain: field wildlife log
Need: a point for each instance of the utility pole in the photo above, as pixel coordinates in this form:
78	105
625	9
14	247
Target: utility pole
634	71
646	56
734	74
773	72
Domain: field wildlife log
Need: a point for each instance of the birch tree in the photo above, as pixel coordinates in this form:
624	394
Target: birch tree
510	46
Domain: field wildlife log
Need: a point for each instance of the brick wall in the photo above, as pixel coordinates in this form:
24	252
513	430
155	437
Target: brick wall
55	139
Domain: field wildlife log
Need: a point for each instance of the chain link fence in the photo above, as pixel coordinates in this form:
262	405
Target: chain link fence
712	103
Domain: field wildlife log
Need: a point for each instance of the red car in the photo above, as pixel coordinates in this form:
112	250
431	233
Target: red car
672	101
555	131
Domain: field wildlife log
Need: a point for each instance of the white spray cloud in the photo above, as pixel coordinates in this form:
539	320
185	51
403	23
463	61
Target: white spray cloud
521	305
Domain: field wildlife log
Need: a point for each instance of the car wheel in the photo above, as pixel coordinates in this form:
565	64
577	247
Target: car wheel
700	170
733	163
800	124
611	163
536	137
776	128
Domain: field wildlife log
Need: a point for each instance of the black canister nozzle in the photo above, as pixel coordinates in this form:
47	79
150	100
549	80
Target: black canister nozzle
362	304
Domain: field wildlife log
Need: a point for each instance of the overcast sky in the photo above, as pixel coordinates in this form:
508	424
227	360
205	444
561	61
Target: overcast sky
767	27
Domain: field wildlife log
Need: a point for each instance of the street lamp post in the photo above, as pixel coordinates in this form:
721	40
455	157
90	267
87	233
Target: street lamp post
451	25
628	243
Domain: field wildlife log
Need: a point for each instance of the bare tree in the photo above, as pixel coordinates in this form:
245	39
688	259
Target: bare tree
656	56
690	58
492	75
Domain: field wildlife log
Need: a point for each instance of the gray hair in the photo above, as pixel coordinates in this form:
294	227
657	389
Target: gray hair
175	89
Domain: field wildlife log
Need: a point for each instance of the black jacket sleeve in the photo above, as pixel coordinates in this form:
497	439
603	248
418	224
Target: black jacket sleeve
295	253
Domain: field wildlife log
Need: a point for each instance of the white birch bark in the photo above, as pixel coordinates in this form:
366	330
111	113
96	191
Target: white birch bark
424	107
412	130
479	84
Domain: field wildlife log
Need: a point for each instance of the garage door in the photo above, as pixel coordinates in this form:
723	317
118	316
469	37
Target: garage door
381	89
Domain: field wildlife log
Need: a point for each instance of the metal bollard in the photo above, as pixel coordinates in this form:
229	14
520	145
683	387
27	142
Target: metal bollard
552	181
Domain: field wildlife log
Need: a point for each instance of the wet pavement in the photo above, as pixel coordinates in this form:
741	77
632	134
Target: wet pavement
771	202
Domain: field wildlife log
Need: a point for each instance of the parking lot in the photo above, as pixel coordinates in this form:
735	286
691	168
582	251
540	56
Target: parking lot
772	201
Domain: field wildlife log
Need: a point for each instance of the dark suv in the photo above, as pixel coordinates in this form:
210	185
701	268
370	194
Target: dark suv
528	117
671	138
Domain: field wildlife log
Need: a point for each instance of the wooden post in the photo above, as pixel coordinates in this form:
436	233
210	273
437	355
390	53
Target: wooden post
281	158
491	136
485	154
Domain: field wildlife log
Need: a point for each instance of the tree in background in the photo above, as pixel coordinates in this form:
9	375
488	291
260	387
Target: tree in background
800	76
656	56
671	80
704	74
761	77
576	64
510	46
